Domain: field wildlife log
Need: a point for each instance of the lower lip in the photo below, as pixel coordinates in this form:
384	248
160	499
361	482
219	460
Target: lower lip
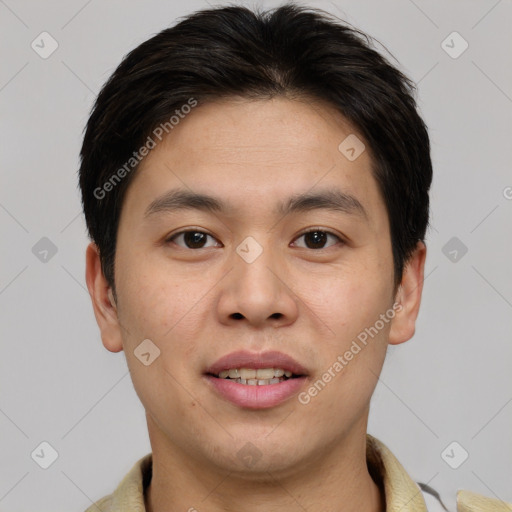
256	397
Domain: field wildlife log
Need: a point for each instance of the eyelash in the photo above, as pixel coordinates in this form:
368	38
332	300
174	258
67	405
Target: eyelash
310	230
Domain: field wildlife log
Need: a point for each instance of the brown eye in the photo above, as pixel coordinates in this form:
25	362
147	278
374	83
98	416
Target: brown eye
317	238
192	239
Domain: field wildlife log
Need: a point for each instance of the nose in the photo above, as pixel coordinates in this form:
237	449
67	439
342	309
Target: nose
257	290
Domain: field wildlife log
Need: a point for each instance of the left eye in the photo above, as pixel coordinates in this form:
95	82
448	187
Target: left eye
316	238
193	239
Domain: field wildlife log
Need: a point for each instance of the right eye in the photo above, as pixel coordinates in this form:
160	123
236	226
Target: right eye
193	239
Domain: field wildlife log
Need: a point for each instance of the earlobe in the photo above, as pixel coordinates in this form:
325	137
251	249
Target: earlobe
103	303
408	297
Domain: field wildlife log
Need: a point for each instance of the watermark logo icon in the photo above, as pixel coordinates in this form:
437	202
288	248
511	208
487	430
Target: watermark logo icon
454	249
351	147
249	455
44	45
249	249
454	45
454	455
146	352
44	250
44	455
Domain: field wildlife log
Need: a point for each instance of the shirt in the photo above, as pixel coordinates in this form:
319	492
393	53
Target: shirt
402	494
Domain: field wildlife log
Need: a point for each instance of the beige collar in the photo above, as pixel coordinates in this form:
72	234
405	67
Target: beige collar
402	493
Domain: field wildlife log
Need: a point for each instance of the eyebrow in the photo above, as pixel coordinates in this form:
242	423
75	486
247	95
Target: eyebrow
329	199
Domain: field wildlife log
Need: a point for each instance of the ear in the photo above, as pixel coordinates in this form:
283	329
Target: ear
408	297
105	309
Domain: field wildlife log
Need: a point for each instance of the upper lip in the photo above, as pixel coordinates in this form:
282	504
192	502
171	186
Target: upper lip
245	359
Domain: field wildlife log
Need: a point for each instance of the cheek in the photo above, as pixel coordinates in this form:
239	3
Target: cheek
160	308
353	359
155	302
166	309
355	349
350	301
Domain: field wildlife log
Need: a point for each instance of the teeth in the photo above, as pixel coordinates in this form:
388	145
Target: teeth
247	373
260	382
265	373
250	374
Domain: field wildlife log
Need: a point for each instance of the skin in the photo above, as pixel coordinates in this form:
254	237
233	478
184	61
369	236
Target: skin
197	305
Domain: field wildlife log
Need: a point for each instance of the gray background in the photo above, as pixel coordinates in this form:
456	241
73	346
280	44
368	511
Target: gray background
452	382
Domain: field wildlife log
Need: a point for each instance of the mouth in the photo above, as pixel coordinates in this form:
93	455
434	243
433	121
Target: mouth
256	381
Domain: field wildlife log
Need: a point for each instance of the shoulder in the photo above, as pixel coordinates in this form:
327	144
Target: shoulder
468	501
404	494
104	504
129	494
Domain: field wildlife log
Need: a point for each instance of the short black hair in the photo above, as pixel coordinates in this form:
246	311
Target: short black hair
232	51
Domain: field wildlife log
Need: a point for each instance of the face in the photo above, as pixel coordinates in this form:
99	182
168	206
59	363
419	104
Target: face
287	265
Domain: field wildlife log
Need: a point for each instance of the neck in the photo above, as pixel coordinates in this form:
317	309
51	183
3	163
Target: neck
337	480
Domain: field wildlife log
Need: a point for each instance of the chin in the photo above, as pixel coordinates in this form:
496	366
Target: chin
253	458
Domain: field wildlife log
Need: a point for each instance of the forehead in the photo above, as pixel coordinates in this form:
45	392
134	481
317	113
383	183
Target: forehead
252	152
259	131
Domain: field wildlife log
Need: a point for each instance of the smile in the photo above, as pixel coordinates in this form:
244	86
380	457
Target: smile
253	377
256	380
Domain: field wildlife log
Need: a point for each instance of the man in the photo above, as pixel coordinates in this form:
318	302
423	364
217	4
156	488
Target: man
256	189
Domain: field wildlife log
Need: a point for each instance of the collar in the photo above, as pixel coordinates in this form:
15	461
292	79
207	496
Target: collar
401	492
